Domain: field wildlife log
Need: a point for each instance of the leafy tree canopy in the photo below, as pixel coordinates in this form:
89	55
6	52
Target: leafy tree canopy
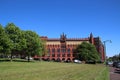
15	41
87	51
33	44
5	43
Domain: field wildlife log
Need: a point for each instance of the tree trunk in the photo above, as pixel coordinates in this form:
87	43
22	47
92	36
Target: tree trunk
11	57
28	58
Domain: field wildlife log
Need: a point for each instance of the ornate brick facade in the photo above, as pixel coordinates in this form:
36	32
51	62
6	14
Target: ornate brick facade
63	48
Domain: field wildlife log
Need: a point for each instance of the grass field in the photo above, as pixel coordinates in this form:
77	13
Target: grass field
52	71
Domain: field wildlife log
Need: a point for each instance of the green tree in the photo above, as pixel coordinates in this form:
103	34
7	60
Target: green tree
34	44
115	57
87	51
5	42
22	44
1	37
13	33
15	41
43	47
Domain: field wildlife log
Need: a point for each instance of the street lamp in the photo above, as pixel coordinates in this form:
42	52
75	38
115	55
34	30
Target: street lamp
104	42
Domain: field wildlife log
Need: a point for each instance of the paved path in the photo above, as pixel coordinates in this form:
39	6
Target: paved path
114	74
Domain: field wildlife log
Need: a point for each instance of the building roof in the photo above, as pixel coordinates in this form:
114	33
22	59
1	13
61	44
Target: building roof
68	39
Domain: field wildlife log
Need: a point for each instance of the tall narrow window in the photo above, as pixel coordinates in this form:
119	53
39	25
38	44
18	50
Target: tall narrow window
53	50
68	50
63	50
58	50
68	55
53	55
58	55
73	50
48	52
63	55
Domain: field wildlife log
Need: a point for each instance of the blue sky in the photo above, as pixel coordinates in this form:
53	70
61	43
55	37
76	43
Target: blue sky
76	18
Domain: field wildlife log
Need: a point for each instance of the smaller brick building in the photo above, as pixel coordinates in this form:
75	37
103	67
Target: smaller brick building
63	48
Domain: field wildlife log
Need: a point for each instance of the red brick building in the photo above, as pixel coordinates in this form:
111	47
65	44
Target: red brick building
63	48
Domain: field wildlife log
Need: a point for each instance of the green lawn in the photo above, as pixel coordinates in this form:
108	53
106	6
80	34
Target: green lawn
52	71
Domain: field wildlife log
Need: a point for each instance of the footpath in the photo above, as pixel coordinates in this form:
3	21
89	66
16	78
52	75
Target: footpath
114	74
